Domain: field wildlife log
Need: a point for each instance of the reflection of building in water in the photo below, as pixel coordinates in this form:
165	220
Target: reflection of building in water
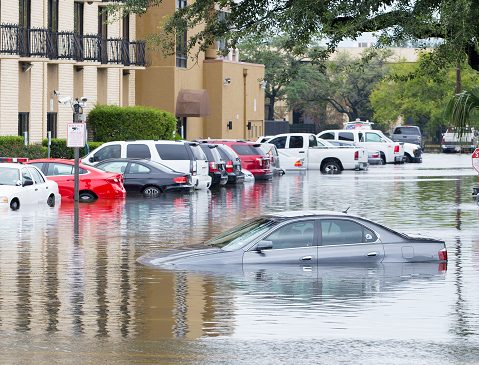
180	305
50	282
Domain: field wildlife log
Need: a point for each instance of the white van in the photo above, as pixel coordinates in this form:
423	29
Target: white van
181	156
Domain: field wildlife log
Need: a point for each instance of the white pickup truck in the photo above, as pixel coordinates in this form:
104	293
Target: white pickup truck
372	140
299	151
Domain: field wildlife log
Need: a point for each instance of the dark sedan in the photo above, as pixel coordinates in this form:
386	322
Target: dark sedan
308	238
233	164
216	166
146	177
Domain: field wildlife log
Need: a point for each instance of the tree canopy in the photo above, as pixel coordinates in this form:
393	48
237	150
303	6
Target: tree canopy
344	83
453	22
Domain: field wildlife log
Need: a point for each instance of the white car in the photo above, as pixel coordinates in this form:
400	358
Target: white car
22	184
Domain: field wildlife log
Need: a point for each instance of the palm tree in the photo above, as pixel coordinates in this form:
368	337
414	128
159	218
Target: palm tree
462	108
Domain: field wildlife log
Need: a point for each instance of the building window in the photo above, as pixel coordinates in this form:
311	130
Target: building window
53	15
181	126
181	40
52	124
23	124
78	18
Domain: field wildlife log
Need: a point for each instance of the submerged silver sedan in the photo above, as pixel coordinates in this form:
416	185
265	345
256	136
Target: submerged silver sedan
306	237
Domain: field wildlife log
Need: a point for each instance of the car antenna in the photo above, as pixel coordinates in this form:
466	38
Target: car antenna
346	210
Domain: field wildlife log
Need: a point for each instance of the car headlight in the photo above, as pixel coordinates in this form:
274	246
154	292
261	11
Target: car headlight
3	199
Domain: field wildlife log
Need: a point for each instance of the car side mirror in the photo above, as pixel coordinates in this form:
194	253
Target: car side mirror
264	245
19	183
91	159
28	183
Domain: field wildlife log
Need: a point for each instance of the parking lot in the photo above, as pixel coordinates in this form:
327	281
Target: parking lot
81	294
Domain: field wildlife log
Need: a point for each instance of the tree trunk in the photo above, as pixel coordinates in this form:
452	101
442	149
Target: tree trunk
458	78
270	115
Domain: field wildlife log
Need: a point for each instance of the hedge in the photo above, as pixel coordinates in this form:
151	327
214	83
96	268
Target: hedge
59	149
114	123
13	146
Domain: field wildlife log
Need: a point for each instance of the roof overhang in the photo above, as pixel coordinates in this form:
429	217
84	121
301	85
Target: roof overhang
192	103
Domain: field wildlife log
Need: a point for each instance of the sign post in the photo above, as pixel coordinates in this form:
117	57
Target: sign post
475	160
76	134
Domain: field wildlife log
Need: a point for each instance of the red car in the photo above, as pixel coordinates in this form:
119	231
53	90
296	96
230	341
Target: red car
252	156
94	183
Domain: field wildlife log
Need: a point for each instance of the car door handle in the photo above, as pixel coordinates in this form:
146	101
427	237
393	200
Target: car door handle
36	189
370	254
306	258
301	151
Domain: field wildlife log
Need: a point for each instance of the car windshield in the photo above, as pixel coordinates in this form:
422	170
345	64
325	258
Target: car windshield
241	235
9	176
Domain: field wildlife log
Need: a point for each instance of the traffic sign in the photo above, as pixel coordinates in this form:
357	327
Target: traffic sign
475	159
76	134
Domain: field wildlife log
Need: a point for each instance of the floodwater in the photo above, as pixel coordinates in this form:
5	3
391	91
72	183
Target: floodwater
76	295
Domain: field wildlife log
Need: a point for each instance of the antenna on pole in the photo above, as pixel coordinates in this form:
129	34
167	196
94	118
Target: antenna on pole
346	210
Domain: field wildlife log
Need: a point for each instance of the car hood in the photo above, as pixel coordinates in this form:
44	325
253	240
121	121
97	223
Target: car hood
7	190
176	257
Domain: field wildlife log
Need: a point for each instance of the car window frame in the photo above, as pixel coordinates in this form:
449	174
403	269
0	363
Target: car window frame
320	232
128	168
102	148
34	168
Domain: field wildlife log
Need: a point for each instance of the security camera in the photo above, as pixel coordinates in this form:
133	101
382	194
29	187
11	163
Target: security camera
64	100
84	99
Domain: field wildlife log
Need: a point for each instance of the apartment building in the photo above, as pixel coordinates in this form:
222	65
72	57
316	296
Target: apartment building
211	95
54	49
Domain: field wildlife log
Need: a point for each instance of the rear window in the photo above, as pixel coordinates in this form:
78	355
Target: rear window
207	152
172	151
198	152
328	135
407	130
346	136
246	149
216	154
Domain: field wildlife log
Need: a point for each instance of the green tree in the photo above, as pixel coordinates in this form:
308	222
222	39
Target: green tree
345	84
462	110
280	67
452	22
409	91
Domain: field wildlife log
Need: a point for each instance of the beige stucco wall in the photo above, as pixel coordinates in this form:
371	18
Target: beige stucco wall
9	96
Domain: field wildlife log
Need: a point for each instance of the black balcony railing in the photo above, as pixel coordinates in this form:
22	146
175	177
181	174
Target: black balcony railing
43	43
9	39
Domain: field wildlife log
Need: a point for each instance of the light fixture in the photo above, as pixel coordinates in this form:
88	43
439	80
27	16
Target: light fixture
229	125
26	66
248	125
227	81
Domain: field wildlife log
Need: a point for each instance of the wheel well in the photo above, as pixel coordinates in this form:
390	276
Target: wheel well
15	200
405	153
89	192
326	160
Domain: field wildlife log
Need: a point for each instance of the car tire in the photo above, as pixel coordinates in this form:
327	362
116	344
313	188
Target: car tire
331	167
151	192
51	201
15	204
87	197
383	157
407	158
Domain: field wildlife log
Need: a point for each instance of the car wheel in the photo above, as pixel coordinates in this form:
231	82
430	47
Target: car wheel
14	204
383	158
331	167
407	158
51	201
151	192
87	197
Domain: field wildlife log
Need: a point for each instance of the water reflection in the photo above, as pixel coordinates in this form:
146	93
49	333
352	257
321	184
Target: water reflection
63	283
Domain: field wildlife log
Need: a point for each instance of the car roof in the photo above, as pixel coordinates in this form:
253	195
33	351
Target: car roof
13	165
307	213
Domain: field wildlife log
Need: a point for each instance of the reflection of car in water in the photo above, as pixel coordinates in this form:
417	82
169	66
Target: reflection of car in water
308	238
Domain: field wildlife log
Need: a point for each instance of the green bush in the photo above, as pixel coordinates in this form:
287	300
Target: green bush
59	149
12	146
114	123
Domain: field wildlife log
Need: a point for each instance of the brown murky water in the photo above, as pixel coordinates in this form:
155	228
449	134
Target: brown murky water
72	296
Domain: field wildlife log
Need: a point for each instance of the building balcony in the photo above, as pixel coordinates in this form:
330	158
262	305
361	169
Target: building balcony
43	43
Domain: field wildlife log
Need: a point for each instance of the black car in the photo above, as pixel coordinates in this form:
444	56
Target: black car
146	177
216	165
233	164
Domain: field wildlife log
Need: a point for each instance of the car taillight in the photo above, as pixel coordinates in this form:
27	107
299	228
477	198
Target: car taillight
229	166
298	163
181	179
442	254
193	168
396	149
213	167
356	155
14	159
